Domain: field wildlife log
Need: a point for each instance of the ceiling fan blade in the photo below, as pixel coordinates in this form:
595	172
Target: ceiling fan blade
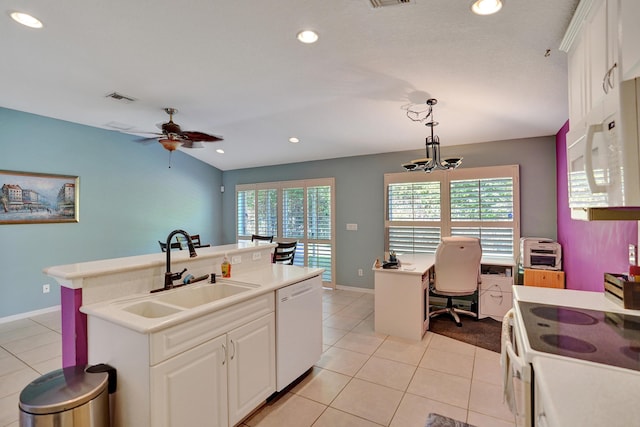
146	141
192	144
200	136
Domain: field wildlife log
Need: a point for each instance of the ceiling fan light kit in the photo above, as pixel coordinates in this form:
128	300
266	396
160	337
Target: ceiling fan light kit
172	136
432	160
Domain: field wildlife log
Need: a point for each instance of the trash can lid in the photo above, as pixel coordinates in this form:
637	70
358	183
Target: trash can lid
61	390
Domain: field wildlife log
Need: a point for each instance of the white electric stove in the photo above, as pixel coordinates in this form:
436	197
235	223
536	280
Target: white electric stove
560	331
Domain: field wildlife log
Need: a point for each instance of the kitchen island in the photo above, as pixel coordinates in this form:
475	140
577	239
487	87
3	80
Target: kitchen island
198	352
95	281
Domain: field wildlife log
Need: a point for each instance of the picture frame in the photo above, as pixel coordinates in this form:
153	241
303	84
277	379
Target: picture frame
35	198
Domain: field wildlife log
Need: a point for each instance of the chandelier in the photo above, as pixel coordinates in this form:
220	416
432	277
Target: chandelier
432	160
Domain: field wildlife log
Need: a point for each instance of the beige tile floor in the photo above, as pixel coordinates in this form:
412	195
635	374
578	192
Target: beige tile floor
363	379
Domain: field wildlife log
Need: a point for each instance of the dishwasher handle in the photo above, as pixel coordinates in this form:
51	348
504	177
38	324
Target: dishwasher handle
296	293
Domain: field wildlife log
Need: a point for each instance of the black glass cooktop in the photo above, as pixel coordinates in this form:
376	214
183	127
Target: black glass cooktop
596	336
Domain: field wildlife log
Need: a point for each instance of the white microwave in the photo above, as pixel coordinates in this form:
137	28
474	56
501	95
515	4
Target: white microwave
603	159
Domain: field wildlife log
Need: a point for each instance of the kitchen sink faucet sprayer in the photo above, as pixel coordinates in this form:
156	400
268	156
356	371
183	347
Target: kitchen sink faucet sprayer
169	277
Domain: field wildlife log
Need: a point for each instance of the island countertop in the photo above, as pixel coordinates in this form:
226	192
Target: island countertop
261	281
69	272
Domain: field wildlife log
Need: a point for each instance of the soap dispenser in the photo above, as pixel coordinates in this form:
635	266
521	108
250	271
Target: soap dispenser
226	267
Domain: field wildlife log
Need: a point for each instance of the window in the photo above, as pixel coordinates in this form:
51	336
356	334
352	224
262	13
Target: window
476	202
299	211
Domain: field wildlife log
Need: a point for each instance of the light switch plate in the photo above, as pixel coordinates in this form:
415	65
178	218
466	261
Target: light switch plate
352	227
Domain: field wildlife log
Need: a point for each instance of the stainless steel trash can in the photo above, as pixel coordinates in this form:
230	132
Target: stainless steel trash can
68	397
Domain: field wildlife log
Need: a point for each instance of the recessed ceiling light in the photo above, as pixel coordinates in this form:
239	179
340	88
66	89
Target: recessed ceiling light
294	140
220	151
26	19
486	7
307	36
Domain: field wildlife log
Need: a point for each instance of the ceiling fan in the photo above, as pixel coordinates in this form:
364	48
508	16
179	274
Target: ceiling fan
172	136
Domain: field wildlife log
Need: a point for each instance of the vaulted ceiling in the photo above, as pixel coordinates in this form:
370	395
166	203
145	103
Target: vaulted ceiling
235	68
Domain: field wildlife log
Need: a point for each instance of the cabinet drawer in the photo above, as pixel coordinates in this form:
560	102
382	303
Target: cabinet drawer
495	282
179	338
495	303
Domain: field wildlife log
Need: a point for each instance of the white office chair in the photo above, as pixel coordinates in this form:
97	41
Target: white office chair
457	272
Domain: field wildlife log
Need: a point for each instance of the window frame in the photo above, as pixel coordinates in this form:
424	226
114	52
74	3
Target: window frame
445	178
305	241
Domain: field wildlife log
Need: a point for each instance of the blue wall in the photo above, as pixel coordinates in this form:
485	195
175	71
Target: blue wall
129	199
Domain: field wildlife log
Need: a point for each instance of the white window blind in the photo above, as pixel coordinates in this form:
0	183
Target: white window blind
267	212
477	202
299	211
293	213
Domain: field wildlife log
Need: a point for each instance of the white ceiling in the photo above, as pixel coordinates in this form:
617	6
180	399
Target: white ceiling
234	68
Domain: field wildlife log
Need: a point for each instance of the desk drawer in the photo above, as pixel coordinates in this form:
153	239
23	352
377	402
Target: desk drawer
495	304
495	282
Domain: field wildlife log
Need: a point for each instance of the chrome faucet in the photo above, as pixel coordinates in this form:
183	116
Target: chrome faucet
169	277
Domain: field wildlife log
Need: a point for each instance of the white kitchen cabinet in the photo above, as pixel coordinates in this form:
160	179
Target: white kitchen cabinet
630	34
212	370
219	382
576	61
593	57
602	48
191	387
252	366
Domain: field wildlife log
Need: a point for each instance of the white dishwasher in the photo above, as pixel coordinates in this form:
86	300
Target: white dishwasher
298	329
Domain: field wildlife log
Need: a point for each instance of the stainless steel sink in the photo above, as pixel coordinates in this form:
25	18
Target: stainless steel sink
151	309
189	297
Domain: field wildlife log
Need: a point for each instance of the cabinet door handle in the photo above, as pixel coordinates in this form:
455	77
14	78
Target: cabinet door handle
233	344
607	82
224	349
610	81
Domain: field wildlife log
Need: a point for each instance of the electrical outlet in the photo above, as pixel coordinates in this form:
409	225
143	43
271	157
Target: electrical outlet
237	259
360	272
256	256
352	227
633	255
46	288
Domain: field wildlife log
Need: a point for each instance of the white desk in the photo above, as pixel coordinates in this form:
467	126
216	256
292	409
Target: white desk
402	295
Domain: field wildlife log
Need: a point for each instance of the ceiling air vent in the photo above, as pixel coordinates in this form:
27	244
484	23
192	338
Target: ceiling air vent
120	97
384	3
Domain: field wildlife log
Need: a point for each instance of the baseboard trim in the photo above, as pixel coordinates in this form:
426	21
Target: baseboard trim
355	289
28	314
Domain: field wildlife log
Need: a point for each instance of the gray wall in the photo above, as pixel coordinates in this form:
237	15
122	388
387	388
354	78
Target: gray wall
129	199
360	195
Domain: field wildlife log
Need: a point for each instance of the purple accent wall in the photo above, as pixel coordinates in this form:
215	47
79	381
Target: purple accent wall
74	328
589	248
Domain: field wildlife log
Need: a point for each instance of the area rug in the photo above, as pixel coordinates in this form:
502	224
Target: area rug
483	333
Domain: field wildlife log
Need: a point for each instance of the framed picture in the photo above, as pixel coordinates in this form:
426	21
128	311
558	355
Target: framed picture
31	198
